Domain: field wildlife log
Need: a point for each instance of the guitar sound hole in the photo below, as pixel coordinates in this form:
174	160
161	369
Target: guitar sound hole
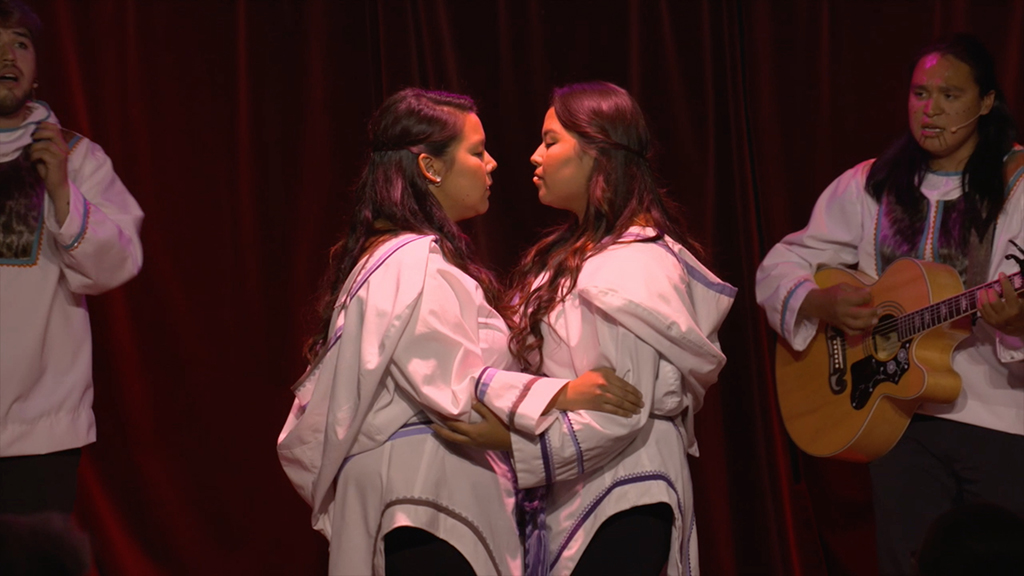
885	341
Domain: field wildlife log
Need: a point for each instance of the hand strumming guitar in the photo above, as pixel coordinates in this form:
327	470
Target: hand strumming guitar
844	306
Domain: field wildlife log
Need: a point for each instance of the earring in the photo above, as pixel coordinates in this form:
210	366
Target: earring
436	179
34	86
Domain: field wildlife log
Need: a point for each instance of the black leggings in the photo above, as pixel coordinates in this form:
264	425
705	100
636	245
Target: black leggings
39	483
634	541
417	552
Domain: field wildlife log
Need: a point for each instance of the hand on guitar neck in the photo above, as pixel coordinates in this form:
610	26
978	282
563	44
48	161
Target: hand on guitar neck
844	306
851	396
1005	314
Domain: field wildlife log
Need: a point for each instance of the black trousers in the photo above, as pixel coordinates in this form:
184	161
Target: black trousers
39	483
939	464
634	541
411	551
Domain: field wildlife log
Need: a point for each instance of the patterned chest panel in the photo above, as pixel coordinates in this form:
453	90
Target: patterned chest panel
22	205
928	232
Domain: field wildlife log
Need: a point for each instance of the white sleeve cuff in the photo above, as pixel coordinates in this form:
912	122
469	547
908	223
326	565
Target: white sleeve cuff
519	399
530	417
799	329
531	467
1009	348
70	234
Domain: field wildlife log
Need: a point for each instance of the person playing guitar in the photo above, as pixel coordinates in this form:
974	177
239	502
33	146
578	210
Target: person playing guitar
949	191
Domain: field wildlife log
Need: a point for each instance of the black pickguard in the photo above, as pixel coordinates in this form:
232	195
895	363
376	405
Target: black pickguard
869	372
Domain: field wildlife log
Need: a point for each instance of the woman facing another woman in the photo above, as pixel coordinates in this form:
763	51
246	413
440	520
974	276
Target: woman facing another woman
615	286
410	334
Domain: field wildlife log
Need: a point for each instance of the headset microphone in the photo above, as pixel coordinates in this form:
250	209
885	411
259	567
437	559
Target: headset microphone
955	128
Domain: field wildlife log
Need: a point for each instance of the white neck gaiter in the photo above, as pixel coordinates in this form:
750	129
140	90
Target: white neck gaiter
14	140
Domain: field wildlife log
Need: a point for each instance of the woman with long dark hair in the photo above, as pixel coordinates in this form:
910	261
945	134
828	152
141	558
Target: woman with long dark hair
949	190
409	326
617	284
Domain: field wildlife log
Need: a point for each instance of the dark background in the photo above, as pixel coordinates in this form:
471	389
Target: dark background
240	127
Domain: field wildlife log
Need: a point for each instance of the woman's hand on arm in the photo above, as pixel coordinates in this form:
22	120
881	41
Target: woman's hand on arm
491	434
600	390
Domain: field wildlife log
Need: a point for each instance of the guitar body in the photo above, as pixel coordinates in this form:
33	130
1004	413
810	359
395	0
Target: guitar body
852	397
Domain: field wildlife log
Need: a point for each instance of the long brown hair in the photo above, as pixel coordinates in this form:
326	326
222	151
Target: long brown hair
622	191
393	196
900	170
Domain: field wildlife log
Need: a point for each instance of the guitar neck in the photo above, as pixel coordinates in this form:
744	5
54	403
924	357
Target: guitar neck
950	309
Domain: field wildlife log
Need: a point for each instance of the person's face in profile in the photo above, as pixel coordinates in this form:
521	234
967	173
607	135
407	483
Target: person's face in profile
563	168
464	174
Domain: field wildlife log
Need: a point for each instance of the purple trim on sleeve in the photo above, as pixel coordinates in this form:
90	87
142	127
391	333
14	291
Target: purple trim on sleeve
483	381
575	441
545	454
785	306
519	400
77	240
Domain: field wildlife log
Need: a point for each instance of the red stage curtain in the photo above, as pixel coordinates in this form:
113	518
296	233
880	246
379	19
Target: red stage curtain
240	127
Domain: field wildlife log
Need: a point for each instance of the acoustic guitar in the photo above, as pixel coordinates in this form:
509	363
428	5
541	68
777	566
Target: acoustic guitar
852	397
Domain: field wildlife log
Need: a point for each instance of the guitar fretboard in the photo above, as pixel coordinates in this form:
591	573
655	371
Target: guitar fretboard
913	323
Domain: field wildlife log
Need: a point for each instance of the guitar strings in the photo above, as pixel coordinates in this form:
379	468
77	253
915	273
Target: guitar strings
936	311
